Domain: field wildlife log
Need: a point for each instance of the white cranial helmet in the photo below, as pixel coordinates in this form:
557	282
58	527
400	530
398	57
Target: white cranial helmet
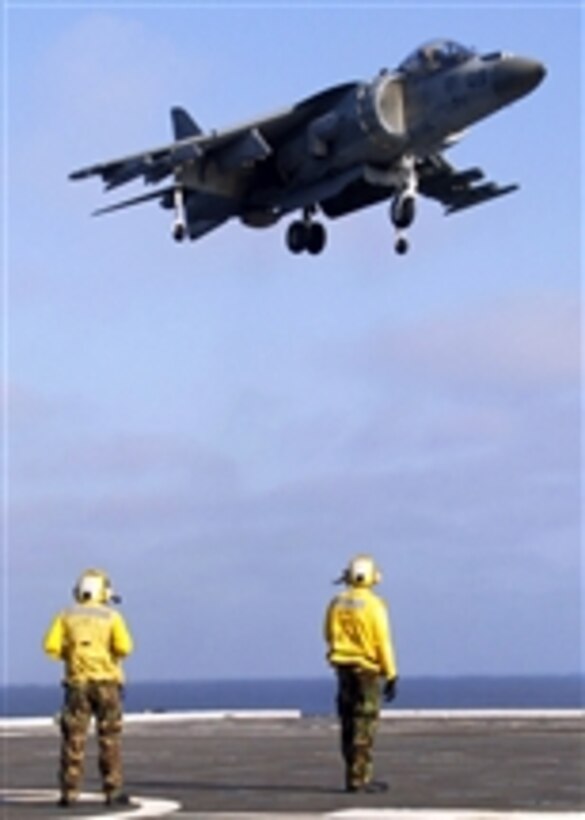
362	572
93	585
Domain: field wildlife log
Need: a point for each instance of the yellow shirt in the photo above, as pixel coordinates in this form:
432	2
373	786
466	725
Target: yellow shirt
357	631
91	639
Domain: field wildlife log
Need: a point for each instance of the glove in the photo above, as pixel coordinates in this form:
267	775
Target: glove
390	689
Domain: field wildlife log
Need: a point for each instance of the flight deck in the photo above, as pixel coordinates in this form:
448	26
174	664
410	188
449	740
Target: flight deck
215	766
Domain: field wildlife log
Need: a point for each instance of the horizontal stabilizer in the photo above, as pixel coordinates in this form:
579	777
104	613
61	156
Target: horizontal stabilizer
163	194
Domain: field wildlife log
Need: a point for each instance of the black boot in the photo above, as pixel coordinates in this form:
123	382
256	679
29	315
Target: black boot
375	787
66	801
117	799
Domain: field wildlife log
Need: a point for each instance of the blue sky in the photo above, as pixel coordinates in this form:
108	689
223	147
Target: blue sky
222	425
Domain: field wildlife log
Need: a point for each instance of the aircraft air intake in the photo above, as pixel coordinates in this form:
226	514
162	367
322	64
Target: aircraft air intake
381	109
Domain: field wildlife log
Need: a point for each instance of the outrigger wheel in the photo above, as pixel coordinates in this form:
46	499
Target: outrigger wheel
179	231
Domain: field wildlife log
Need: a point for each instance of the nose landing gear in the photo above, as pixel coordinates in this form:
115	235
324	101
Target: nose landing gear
402	213
403	207
401	245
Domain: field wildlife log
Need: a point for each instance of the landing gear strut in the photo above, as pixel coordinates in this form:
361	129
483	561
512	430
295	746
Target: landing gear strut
403	207
306	235
180	223
402	213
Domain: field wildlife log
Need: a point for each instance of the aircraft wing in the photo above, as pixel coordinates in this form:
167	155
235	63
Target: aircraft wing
235	148
152	165
455	189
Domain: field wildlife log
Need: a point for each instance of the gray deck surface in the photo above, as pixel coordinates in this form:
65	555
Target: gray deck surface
293	766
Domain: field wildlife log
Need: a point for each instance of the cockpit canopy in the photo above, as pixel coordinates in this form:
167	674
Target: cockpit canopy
436	55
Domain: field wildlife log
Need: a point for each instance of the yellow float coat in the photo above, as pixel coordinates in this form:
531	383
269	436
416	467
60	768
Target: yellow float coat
91	639
357	631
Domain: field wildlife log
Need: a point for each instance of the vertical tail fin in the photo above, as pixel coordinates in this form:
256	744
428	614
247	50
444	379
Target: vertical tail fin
183	124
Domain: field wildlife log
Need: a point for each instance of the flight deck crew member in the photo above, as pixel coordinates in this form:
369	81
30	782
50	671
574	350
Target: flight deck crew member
360	649
91	638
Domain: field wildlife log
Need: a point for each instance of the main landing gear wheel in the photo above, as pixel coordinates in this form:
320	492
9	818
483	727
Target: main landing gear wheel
296	236
316	238
306	236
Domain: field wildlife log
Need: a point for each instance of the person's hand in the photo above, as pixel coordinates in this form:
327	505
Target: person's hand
390	689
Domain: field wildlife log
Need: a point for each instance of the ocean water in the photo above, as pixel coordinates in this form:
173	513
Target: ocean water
315	696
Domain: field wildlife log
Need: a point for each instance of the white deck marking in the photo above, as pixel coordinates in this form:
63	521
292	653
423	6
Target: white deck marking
13	726
390	814
452	814
146	807
140	807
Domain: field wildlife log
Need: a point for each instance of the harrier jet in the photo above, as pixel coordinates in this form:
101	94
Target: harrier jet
343	149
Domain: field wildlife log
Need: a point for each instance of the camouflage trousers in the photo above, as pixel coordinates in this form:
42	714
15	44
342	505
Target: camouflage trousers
358	707
101	700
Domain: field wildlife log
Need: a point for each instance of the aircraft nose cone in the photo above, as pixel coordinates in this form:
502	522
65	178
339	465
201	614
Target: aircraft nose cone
517	76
